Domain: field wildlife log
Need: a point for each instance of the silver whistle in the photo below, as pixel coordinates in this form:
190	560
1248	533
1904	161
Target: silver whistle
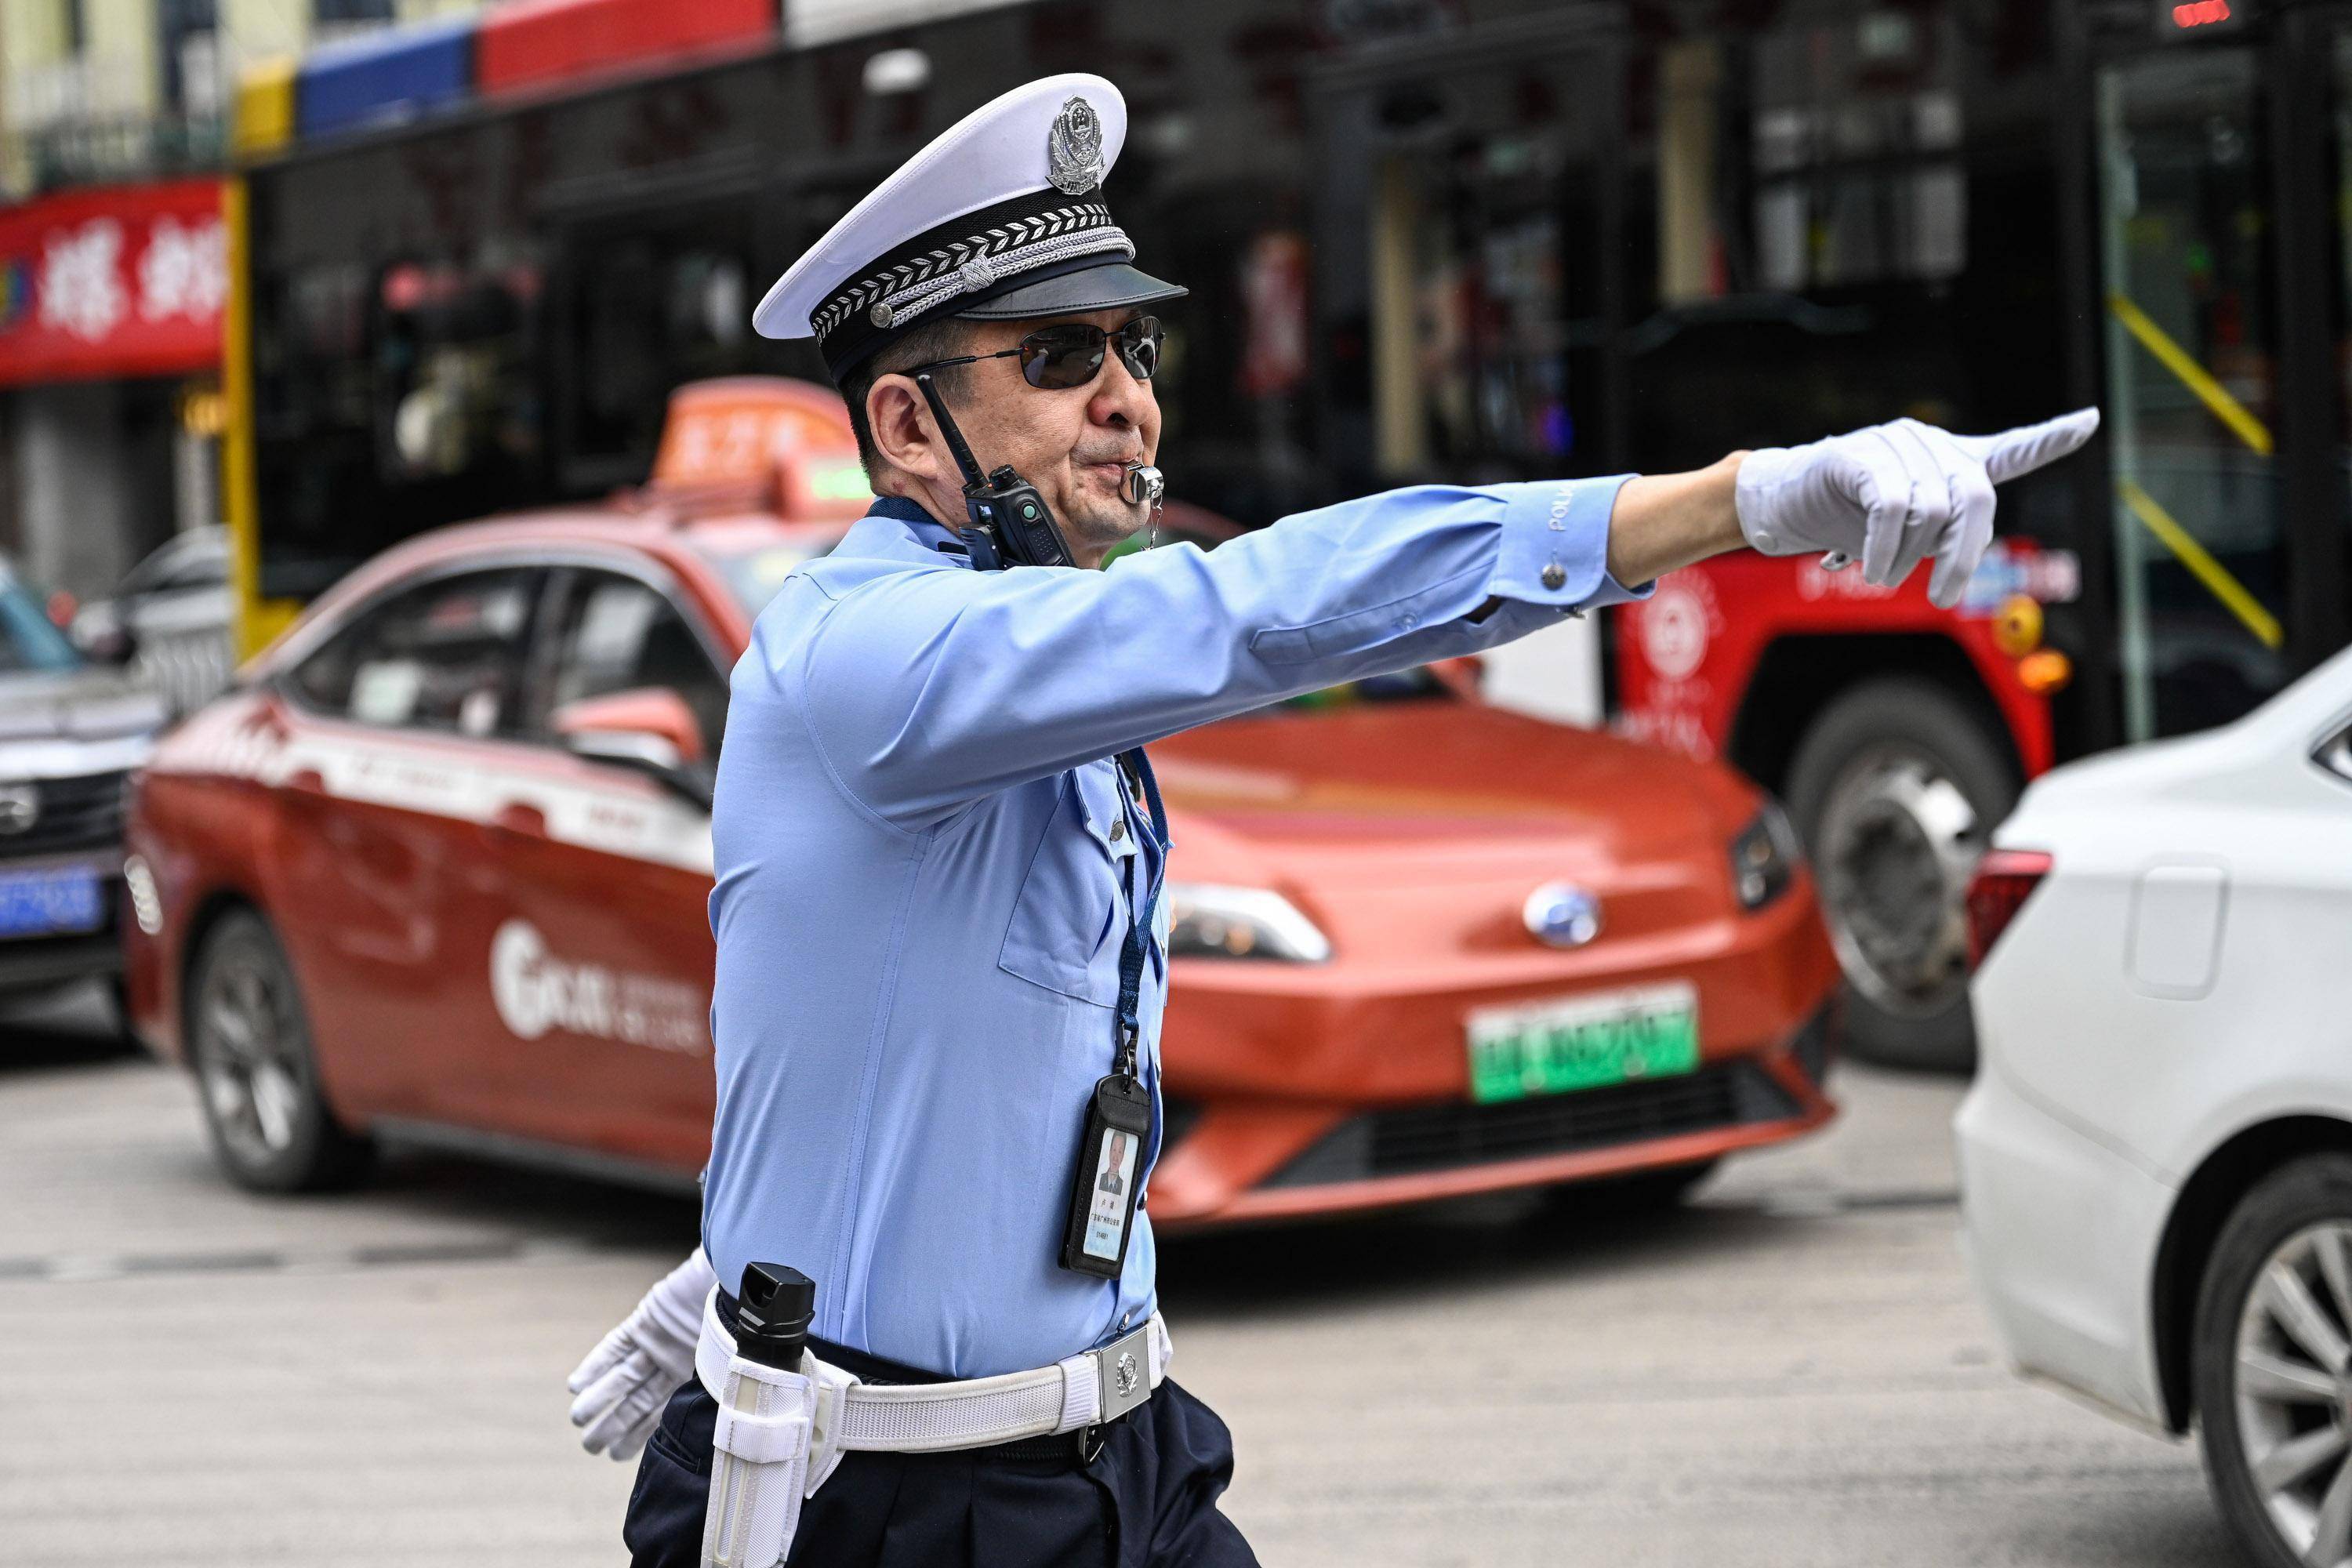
1145	484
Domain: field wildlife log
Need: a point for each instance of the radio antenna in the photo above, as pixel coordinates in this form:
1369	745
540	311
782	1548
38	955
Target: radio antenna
972	477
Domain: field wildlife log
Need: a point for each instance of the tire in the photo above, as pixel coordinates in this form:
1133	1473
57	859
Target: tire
118	998
2285	1223
257	1075
1895	789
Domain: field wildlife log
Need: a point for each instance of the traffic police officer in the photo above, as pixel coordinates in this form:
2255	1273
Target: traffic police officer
940	947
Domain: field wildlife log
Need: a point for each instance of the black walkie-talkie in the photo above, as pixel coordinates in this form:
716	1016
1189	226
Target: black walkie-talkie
1010	524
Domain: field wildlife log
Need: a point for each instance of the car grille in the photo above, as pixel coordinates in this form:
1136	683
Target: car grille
1425	1138
82	813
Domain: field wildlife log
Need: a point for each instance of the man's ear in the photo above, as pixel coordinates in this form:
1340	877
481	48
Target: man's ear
904	433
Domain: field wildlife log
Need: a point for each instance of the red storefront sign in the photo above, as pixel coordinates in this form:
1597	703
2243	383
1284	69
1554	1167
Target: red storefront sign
123	281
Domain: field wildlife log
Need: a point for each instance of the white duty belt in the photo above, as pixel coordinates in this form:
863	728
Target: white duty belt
780	1434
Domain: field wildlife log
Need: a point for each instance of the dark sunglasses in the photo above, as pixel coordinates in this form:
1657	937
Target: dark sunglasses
1071	355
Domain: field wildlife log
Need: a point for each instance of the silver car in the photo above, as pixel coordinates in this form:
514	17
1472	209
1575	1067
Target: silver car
71	733
168	621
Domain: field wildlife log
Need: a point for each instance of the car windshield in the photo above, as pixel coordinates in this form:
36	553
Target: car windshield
754	571
1414	684
28	638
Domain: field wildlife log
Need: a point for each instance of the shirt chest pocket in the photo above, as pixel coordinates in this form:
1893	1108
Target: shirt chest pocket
1070	919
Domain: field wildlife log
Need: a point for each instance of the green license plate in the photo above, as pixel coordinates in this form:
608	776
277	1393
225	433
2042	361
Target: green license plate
1585	1042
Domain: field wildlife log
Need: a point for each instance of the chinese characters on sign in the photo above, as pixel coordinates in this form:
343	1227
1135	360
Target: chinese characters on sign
120	283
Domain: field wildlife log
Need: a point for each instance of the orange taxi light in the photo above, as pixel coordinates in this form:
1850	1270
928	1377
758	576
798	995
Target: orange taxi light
2044	671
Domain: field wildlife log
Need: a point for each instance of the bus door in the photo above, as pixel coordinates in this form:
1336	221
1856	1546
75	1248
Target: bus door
2226	453
1466	270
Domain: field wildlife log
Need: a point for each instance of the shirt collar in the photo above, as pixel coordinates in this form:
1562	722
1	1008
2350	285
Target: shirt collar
896	526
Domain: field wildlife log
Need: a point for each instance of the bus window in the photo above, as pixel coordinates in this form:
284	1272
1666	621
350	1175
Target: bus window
1800	227
2192	368
645	306
2343	207
391	394
1469	239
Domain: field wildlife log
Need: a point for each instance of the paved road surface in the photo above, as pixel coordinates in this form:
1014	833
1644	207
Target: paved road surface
1792	1371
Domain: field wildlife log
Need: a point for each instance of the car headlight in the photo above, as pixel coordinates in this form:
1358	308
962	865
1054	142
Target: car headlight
1209	920
1764	857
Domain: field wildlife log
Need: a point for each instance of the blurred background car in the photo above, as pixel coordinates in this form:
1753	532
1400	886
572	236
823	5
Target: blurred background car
441	863
2155	1158
168	620
70	733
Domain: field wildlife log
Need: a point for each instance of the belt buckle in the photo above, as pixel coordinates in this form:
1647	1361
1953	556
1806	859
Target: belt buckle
1123	1373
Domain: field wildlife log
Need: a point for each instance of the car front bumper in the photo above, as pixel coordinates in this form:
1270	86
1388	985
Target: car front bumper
1290	1095
2061	1233
30	965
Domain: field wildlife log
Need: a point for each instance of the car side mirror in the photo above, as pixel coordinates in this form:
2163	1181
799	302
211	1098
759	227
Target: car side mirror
102	632
649	728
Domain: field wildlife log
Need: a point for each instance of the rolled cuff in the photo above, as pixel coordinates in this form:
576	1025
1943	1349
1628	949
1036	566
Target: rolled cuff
1555	547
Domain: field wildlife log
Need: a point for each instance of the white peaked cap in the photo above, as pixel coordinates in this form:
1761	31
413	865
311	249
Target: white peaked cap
1001	217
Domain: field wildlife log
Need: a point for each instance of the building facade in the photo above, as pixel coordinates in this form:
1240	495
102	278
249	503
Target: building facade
118	120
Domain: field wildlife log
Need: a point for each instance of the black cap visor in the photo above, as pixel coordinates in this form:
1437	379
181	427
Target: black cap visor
1095	286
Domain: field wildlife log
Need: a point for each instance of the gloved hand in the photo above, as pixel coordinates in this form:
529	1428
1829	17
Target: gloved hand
1892	495
634	1370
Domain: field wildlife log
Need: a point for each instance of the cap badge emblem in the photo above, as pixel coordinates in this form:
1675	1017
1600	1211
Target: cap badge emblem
1073	160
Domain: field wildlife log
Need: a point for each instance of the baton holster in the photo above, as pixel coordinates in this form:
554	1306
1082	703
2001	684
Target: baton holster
775	1439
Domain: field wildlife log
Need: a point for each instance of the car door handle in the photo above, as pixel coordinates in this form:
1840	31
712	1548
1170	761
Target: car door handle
517	819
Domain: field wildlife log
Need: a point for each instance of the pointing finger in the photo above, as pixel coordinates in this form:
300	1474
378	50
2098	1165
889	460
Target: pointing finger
2029	447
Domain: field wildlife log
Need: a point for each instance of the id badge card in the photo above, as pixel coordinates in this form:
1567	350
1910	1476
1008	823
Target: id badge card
1105	1187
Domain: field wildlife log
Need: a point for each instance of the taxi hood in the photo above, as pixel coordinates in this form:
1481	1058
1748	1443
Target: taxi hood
1433	813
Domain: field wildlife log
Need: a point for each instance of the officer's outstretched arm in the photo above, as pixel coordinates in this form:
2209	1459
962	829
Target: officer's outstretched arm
927	689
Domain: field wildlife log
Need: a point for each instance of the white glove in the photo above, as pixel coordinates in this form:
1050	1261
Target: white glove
1892	495
634	1370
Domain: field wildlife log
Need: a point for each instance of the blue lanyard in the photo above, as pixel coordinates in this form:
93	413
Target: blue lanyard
1130	954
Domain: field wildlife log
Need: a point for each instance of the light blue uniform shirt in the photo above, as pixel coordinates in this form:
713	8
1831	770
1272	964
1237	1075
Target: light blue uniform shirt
922	884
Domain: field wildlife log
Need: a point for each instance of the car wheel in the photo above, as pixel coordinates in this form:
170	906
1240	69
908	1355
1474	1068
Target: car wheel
118	997
257	1076
1895	789
2271	1364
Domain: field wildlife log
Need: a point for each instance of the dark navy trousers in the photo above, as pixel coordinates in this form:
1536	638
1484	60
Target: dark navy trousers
1149	1500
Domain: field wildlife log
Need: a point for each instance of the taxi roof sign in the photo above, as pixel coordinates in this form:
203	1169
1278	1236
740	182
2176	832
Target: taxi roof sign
736	427
762	443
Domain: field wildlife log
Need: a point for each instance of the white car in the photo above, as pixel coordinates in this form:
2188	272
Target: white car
2156	1159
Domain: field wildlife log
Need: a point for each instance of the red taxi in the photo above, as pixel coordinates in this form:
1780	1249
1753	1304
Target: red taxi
439	863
